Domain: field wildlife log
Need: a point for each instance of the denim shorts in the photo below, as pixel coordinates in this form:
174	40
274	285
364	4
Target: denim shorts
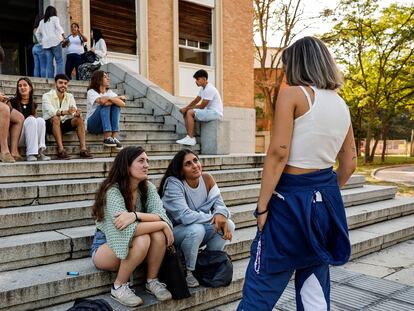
206	115
98	240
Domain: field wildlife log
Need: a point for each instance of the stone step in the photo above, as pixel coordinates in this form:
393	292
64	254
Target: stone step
98	150
75	242
44	87
34	218
46	285
124	136
43	286
44	192
77	168
51	81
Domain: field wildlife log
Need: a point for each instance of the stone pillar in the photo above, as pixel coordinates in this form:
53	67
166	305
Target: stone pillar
215	137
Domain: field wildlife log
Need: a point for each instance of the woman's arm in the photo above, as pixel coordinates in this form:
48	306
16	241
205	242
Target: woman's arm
278	152
347	158
117	101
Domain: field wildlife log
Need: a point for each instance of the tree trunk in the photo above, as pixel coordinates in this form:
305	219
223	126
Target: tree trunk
384	140
368	145
372	155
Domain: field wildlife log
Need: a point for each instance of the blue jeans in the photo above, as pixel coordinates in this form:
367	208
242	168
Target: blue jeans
191	237
54	52
104	119
39	59
73	61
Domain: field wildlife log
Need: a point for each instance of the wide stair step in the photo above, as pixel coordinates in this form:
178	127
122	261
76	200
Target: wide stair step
52	279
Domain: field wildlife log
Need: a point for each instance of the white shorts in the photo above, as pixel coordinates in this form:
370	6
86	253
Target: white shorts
206	115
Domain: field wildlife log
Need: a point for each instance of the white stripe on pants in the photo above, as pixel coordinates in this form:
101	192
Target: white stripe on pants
33	135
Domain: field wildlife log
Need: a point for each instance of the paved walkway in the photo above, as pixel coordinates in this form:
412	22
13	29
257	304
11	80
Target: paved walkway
403	174
352	291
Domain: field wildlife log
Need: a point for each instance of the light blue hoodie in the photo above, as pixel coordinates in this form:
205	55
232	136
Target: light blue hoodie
179	211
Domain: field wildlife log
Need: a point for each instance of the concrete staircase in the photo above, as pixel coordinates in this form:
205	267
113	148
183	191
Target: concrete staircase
46	228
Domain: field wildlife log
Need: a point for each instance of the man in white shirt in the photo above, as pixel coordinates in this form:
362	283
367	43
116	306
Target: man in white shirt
62	116
210	108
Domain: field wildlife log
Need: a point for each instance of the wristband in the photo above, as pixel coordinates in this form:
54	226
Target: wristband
136	217
261	213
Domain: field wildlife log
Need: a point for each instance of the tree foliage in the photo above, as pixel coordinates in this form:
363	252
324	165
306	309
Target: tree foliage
375	49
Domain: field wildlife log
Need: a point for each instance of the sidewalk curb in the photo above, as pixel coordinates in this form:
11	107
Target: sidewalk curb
387	167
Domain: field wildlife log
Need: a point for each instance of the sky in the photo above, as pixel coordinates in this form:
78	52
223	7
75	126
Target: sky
314	7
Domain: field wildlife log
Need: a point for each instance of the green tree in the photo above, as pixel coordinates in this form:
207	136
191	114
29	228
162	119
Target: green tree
375	49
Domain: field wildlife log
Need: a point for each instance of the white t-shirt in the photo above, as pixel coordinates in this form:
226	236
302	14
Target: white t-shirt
75	46
91	103
211	94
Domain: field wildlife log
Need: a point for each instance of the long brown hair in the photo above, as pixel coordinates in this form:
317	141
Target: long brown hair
16	101
119	174
96	81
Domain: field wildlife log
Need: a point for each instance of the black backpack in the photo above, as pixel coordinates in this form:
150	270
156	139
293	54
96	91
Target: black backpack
213	268
82	304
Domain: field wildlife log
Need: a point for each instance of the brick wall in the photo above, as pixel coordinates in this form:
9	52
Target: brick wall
160	44
238	53
75	12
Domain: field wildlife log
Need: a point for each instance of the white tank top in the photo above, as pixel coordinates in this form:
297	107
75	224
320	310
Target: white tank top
319	134
196	196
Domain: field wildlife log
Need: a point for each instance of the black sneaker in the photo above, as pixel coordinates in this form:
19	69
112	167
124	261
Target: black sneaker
118	144
109	142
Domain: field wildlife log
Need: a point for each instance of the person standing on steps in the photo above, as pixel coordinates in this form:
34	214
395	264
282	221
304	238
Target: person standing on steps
301	221
74	50
103	109
62	116
209	109
33	134
50	35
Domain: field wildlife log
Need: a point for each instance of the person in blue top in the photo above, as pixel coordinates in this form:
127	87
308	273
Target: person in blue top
195	206
301	218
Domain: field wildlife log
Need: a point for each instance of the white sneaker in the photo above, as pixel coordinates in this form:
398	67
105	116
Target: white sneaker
191	280
31	158
43	157
159	290
126	296
189	141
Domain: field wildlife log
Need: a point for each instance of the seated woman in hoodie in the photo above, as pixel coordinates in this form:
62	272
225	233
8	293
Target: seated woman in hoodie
194	203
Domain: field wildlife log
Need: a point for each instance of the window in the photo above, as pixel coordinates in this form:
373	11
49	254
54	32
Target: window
117	21
195	30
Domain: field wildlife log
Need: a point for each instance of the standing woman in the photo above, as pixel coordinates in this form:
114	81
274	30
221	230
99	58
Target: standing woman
99	50
131	225
300	214
34	127
50	35
74	50
39	57
103	109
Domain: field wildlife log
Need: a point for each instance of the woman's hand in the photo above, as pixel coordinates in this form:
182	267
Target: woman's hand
123	219
261	221
168	234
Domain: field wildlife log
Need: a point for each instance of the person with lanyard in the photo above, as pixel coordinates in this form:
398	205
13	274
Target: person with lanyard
74	50
301	221
34	128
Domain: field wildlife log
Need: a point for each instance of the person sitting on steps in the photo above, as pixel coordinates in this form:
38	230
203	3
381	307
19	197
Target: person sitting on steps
210	108
194	203
34	128
62	116
131	225
103	109
10	120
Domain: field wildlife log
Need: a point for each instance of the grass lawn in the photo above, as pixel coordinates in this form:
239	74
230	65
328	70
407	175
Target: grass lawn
366	169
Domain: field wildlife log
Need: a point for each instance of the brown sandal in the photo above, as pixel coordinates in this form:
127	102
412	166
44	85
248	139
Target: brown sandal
7	158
